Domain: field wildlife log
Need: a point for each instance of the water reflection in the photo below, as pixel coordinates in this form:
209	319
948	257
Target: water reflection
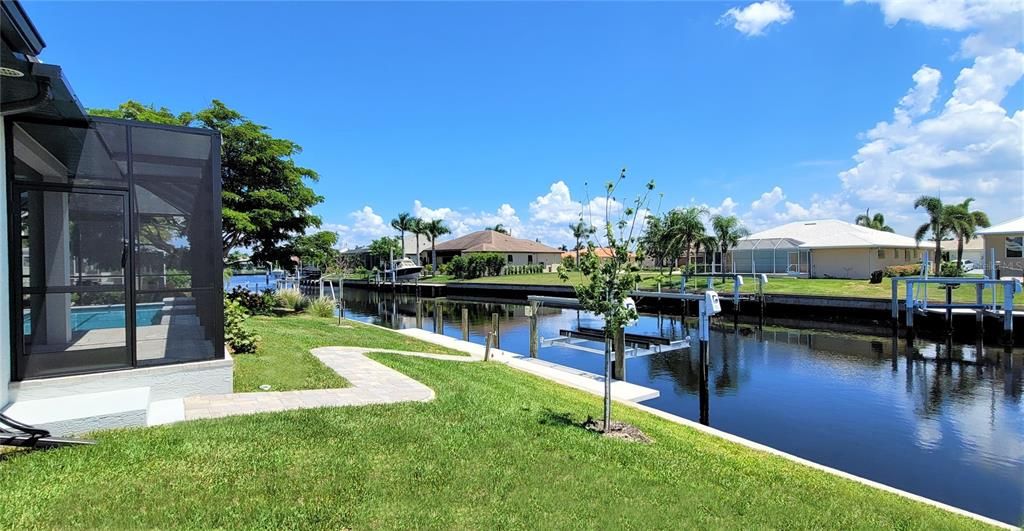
941	419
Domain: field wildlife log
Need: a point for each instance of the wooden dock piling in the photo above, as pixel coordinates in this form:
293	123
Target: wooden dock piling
465	323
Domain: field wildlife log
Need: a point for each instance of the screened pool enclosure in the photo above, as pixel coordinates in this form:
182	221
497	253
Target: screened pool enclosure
770	255
115	244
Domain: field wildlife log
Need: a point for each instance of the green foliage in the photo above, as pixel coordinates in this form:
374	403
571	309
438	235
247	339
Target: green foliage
290	298
908	270
876	222
727	231
475	265
384	248
321	307
265	198
609	281
241	339
951	269
498	228
255	303
317	248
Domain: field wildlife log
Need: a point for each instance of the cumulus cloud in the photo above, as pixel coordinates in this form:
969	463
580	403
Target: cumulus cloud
755	18
462	222
364	225
993	24
970	147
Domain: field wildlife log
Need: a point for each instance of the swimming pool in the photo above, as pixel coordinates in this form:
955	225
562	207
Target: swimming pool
85	318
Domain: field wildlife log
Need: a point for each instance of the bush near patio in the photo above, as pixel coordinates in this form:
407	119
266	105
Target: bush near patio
497	448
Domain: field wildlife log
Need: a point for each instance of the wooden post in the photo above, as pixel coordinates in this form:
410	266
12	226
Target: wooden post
619	368
895	302
465	323
487	346
1008	289
949	307
419	313
979	312
533	329
438	318
495	331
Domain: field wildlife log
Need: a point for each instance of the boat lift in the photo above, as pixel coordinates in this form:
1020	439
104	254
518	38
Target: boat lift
625	345
917	303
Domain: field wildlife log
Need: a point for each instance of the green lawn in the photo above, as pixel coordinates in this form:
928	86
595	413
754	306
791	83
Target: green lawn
497	449
283	360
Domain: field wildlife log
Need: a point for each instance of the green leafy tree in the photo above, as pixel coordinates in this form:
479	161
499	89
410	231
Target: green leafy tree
876	222
265	196
317	248
580	231
609	281
938	224
964	224
728	231
384	248
685	228
435	228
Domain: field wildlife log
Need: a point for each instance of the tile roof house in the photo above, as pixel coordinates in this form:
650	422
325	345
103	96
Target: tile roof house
518	251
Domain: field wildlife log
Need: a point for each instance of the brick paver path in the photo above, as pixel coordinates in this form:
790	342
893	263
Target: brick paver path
372	383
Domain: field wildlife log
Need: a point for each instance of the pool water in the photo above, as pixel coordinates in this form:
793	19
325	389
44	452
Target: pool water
87	318
939	419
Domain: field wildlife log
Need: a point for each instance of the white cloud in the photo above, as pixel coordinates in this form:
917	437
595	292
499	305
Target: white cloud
994	24
971	147
463	222
365	225
771	208
755	18
768	200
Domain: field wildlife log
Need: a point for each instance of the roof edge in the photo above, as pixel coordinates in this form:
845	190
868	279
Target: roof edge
25	36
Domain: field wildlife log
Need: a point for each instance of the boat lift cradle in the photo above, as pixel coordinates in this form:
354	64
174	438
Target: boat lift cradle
14	433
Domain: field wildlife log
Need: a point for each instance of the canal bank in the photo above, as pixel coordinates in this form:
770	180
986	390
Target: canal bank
826	310
905	412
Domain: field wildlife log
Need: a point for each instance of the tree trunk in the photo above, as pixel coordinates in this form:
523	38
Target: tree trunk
938	255
959	251
433	258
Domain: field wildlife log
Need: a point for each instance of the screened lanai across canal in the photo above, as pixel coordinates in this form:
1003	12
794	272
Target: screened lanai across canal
770	255
115	245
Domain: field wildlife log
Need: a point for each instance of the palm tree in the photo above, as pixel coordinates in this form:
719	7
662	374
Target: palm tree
876	222
403	223
708	243
728	231
498	228
687	227
964	223
419	229
938	224
433	229
580	230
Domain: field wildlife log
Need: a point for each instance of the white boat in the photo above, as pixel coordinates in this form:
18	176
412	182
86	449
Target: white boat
404	270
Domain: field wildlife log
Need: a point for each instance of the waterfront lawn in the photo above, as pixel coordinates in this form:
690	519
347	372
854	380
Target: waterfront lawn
497	448
284	362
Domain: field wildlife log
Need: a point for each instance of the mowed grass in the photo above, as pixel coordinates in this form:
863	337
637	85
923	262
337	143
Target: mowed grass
497	448
284	362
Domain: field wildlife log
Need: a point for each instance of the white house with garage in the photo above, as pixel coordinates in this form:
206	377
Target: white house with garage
1007	239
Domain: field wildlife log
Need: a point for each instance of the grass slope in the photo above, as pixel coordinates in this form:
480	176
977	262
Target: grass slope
284	362
497	449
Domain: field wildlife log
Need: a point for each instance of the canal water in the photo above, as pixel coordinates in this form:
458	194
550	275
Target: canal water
942	420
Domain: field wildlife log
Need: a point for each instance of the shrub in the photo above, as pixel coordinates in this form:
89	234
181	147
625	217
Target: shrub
951	269
236	334
428	269
907	270
254	303
321	307
569	263
290	298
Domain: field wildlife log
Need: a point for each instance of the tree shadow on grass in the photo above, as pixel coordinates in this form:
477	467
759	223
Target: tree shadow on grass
619	430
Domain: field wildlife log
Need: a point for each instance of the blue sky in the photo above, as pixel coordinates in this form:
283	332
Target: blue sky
500	112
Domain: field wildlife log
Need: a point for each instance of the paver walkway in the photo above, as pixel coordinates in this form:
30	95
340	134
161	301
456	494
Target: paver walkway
372	383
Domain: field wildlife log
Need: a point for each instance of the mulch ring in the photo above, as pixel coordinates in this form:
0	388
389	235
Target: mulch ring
619	430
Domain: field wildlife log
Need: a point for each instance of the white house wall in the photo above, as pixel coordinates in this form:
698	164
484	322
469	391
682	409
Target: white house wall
856	263
1013	267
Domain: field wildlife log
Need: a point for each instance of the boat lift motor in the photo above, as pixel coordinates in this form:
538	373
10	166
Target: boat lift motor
706	308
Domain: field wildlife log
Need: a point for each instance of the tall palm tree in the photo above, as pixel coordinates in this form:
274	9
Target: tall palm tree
403	223
728	231
938	224
498	228
419	229
964	223
687	228
433	229
876	222
580	231
707	242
